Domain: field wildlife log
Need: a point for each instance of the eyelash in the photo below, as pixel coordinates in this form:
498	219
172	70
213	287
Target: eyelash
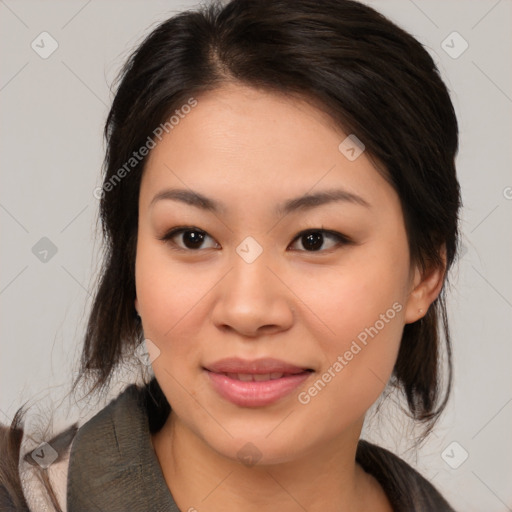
342	239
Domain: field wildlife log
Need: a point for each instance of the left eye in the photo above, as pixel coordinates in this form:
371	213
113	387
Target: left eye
312	239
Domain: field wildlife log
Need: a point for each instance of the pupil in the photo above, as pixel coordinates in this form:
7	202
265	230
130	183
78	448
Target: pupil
193	238
315	240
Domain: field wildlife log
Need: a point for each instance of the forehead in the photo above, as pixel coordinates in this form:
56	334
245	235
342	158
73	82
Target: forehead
241	142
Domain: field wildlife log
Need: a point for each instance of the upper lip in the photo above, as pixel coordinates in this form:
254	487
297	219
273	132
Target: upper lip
255	366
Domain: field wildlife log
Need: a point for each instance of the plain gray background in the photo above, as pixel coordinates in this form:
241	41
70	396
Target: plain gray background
51	151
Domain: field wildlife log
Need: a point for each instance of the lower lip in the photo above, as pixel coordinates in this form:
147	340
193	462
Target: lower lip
255	394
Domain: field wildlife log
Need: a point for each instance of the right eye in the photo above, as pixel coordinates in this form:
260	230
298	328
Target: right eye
191	238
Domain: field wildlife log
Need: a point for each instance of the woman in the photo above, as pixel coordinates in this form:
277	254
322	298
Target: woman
280	209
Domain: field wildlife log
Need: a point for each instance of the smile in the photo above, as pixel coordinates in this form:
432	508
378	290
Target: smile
256	389
255	377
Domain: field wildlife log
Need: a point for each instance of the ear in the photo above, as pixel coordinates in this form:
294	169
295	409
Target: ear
426	286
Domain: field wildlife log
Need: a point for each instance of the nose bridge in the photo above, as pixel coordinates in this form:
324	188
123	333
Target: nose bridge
250	250
250	266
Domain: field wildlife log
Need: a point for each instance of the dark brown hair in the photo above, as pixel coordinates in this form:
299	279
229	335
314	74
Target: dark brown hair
374	79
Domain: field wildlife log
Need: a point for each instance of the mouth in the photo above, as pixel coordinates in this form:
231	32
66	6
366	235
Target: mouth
255	383
260	377
264	366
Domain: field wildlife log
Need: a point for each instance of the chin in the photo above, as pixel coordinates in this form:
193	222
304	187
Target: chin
259	444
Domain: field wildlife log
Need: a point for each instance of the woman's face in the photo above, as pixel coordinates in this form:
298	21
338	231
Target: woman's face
242	282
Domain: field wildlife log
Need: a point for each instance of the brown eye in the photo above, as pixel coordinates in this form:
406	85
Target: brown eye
313	240
191	238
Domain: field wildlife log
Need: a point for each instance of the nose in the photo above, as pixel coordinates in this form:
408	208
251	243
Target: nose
253	299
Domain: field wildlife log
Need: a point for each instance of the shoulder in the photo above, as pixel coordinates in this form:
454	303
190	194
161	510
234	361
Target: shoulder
112	462
136	410
34	474
405	487
43	470
103	431
44	467
36	485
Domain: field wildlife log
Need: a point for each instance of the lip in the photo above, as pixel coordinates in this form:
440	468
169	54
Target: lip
255	393
256	366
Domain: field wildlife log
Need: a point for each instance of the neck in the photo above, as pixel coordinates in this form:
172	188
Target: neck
326	479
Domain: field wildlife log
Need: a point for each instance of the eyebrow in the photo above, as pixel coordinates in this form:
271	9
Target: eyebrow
305	202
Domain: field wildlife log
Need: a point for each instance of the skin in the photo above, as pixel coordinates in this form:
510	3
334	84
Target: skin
251	150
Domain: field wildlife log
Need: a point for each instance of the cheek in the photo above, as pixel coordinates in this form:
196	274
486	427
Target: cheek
364	308
169	301
166	292
359	360
365	322
168	298
355	296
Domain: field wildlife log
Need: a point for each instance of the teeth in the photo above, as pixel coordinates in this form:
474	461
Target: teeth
247	377
261	376
258	377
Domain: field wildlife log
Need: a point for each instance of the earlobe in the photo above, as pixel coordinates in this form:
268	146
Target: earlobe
427	286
